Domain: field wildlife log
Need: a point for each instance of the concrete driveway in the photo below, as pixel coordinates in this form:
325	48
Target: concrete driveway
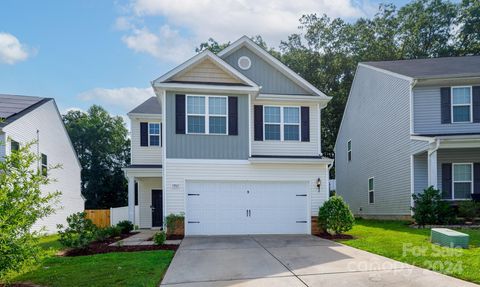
289	260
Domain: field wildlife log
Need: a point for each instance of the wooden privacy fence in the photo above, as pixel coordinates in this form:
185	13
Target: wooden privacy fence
100	217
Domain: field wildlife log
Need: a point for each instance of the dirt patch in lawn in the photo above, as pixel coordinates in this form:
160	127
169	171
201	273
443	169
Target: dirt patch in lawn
335	237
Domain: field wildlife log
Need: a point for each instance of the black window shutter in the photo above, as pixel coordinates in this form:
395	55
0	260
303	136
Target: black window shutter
258	122
447	180
161	134
180	114
233	116
446	105
305	123
476	104
143	134
476	178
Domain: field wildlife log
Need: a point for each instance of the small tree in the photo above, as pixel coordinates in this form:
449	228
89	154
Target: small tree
335	216
79	233
22	203
430	209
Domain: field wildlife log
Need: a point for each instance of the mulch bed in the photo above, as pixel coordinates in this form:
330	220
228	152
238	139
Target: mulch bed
100	247
335	237
175	237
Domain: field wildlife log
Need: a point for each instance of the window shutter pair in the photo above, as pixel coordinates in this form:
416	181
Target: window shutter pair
180	125
258	123
144	134
447	179
446	104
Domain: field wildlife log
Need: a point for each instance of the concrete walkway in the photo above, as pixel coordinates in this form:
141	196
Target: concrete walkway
283	260
143	237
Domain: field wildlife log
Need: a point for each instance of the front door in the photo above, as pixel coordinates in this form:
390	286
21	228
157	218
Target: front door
157	208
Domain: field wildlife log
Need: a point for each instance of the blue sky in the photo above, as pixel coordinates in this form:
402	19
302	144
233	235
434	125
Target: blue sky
107	52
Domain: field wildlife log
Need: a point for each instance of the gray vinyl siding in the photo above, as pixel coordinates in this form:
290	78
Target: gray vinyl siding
420	168
467	155
427	114
377	121
3	146
207	146
265	75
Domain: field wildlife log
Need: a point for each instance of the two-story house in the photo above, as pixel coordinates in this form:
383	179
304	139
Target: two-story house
409	125
25	120
232	141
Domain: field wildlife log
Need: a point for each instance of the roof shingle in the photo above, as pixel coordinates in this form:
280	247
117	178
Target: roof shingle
150	106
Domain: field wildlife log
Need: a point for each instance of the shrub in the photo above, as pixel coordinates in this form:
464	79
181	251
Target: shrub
79	233
159	237
468	210
108	232
335	216
22	203
173	220
430	209
125	226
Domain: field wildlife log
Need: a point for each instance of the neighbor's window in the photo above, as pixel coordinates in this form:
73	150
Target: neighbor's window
154	134
44	164
14	145
462	180
349	150
282	123
371	195
207	114
461	104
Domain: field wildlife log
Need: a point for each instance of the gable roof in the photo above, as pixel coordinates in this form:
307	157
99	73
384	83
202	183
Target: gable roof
167	78
150	106
432	68
246	41
13	107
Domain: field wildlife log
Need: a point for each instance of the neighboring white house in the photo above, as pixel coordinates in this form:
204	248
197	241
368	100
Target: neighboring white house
26	119
232	140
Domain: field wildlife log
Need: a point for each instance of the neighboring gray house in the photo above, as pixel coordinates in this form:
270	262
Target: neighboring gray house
231	140
25	120
409	125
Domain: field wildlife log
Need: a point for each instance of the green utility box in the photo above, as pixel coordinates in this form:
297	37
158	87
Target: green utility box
449	238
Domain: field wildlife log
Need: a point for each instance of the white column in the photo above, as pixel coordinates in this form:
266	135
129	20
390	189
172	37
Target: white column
131	199
432	168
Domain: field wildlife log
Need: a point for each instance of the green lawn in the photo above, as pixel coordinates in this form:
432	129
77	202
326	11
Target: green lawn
112	269
394	239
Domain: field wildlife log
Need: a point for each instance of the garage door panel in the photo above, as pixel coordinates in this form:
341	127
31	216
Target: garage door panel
246	208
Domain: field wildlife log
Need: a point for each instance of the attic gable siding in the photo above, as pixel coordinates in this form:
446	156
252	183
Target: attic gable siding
206	71
263	74
377	121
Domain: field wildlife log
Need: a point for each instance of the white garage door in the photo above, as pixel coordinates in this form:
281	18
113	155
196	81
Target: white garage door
216	208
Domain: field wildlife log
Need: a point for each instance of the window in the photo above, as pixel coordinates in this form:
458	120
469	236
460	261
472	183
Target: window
207	115
461	104
371	187
44	165
14	146
154	134
462	180
349	150
282	123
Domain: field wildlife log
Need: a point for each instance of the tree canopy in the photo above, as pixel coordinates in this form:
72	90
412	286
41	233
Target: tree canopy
103	148
326	51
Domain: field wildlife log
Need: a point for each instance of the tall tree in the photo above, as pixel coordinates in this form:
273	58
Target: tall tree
102	144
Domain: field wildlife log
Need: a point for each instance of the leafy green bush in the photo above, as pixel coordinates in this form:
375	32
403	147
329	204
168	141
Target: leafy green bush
79	233
173	222
125	226
468	210
108	232
335	216
429	208
159	237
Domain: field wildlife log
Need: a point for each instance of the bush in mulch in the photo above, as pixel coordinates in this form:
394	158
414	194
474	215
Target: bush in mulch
335	237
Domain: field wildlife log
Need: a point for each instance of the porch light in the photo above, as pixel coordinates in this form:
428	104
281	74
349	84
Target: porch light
319	183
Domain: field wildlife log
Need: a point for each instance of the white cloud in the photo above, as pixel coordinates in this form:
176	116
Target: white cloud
225	20
123	99
11	50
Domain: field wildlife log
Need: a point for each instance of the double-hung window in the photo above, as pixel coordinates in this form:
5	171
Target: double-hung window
44	165
282	123
462	180
349	150
207	115
14	145
154	134
461	104
371	188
